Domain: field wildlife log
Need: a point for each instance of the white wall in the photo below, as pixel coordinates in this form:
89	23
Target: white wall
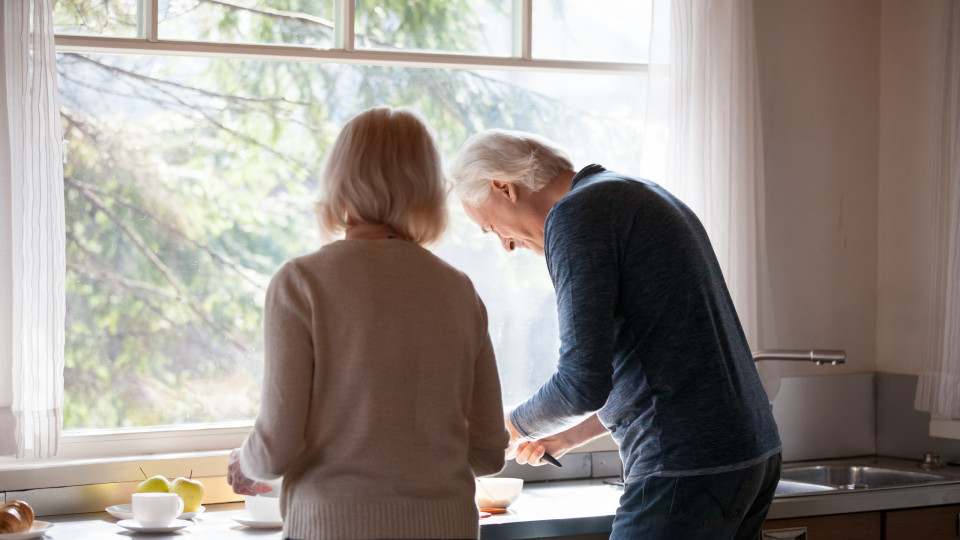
910	37
819	83
848	92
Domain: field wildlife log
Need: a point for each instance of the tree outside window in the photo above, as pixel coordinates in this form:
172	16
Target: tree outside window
190	180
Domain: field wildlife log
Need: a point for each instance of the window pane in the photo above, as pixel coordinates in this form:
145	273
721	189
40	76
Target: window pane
190	185
114	18
455	26
291	22
612	30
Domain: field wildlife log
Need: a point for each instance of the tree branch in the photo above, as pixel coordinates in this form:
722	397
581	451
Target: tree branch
158	264
239	269
276	13
301	17
158	86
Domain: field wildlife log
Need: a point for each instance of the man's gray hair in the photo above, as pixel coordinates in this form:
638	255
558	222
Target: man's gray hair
510	156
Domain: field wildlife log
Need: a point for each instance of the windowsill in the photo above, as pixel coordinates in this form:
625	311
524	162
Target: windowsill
204	451
155	440
54	473
116	456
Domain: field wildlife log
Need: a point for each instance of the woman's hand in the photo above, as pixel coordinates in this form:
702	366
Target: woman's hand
239	482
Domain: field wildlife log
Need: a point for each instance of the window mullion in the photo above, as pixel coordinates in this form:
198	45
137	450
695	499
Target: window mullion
522	17
343	24
147	15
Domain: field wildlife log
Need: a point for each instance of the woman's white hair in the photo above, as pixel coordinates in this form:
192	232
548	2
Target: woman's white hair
384	168
510	156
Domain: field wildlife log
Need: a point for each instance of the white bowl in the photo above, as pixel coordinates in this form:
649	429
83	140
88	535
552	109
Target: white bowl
497	492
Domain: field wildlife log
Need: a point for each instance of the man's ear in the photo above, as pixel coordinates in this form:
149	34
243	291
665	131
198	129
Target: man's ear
504	189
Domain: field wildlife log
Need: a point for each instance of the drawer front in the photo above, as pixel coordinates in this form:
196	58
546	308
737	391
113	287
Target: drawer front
859	526
934	523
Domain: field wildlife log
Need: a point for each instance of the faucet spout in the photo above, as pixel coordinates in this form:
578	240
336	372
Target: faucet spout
819	357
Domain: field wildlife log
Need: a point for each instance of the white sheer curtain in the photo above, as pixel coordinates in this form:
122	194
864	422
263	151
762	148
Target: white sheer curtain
938	388
31	172
715	147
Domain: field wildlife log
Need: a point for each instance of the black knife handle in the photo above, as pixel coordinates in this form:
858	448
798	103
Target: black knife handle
551	460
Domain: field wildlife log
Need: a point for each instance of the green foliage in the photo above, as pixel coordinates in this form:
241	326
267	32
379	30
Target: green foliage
432	25
97	17
193	180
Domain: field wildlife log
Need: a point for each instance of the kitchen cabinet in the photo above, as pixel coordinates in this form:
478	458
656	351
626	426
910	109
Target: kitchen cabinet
929	523
932	523
858	526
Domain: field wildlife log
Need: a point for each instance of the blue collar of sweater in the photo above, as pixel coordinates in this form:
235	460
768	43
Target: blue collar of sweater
585	172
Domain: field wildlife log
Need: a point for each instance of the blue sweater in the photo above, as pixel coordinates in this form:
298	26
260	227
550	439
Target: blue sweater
650	339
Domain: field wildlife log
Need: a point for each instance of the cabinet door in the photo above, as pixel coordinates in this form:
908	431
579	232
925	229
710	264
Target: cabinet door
932	523
860	526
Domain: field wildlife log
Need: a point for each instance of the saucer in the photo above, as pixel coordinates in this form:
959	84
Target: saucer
132	524
125	511
120	511
191	515
36	531
245	519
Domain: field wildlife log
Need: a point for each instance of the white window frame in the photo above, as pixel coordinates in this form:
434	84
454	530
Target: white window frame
343	51
194	444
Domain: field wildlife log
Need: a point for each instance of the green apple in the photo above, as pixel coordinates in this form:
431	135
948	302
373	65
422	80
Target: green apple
191	491
154	483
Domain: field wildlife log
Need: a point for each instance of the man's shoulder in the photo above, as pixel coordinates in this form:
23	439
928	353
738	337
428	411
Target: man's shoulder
602	192
612	201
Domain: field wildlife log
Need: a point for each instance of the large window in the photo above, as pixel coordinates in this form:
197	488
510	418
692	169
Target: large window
197	130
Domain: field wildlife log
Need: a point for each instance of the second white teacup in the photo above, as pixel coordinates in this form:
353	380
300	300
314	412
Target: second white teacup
264	507
155	509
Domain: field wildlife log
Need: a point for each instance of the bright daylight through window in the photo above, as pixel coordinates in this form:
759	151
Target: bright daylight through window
190	178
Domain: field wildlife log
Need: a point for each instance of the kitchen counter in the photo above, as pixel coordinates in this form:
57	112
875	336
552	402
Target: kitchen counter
214	523
544	510
588	507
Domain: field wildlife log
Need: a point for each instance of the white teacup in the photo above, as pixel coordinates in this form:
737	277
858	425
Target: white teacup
155	509
265	507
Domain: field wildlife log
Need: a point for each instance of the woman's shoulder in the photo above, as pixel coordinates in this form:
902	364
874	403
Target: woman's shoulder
336	253
391	255
442	265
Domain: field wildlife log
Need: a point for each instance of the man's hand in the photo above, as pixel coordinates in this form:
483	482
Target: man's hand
531	452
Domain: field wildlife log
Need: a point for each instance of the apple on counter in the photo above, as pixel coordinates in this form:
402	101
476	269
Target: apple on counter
153	484
190	490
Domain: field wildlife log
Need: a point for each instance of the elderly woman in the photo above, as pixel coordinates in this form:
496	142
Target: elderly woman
381	399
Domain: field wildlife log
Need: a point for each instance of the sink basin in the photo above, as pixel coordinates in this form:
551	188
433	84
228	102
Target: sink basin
789	487
857	477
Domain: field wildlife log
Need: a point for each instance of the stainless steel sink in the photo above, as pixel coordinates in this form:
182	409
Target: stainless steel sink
789	487
857	477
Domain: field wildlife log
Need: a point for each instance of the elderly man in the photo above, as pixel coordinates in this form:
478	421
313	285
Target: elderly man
651	347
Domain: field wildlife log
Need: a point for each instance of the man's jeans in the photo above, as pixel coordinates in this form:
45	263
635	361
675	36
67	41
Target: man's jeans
730	505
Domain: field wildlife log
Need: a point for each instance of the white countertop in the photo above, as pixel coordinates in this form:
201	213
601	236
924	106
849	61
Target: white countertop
214	523
549	509
543	510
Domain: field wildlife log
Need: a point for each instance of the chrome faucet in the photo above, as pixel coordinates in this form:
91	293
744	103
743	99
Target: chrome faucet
819	357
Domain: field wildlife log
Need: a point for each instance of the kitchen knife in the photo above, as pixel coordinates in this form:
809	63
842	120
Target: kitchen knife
551	460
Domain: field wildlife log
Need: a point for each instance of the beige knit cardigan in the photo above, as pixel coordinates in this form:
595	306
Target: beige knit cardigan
381	398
